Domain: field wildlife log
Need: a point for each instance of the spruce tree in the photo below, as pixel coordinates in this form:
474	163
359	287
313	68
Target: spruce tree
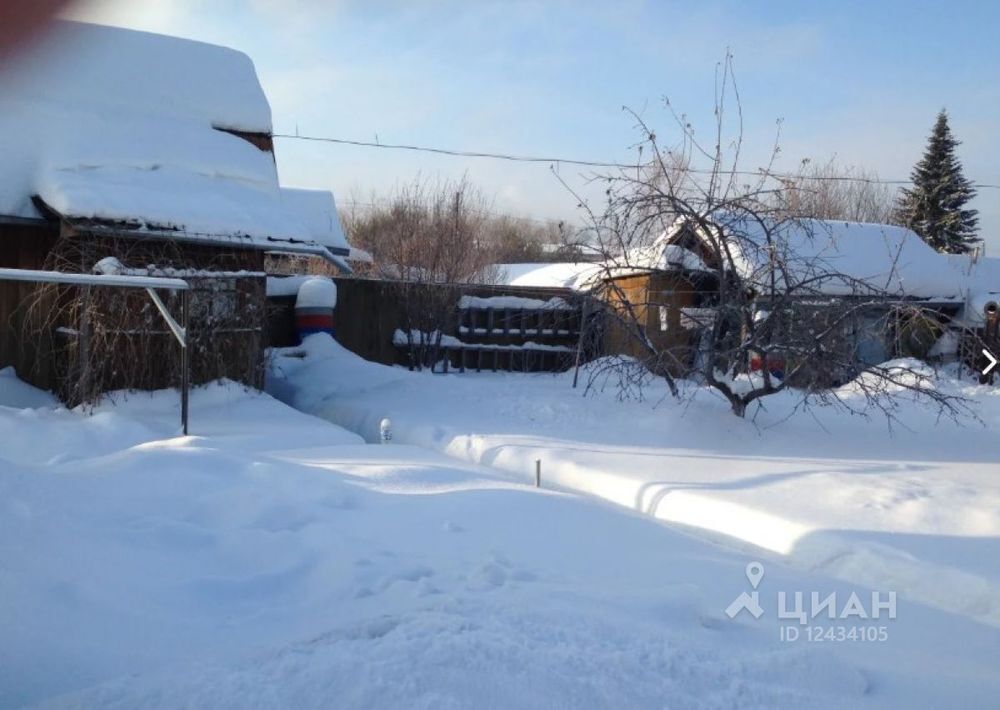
934	207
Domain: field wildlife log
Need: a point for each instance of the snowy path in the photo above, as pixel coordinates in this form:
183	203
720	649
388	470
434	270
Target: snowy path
918	512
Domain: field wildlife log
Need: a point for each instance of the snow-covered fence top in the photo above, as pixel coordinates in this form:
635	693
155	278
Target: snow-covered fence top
514	303
450	342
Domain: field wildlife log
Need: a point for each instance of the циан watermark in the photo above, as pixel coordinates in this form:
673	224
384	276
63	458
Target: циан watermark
802	622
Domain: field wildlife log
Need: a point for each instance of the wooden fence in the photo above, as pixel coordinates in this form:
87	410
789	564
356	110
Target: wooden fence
371	316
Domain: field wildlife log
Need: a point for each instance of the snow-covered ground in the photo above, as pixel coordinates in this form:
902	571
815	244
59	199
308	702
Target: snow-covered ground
272	559
916	509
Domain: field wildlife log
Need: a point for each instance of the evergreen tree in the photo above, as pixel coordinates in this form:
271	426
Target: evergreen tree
934	207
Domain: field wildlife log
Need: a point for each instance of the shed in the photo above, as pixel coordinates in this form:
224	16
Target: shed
156	151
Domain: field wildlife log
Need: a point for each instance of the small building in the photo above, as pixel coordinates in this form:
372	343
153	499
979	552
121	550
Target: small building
147	155
662	291
917	302
906	295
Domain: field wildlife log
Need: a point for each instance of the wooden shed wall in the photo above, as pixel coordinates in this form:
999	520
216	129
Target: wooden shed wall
228	321
228	315
656	300
24	246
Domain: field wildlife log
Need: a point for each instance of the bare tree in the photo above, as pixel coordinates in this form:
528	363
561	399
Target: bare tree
832	191
430	237
426	232
765	322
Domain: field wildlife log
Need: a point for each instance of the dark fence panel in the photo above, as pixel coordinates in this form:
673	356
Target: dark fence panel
369	311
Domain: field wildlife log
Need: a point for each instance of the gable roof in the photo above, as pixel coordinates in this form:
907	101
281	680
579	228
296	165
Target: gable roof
128	129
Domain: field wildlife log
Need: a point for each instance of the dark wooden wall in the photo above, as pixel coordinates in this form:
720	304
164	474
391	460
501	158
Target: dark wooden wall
224	345
262	141
24	246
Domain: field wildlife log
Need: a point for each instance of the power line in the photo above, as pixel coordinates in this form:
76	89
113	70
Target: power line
458	153
592	163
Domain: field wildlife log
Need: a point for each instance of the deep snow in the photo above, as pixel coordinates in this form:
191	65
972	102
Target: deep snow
916	509
272	559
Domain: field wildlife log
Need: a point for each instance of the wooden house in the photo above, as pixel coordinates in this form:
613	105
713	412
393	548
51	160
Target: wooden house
666	293
147	155
902	295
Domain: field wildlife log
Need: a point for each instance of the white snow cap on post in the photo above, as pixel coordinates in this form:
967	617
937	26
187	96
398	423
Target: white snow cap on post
109	266
318	292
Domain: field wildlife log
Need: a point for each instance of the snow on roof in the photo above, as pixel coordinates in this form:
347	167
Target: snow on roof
124	69
119	126
982	273
982	276
836	258
578	276
663	257
319	210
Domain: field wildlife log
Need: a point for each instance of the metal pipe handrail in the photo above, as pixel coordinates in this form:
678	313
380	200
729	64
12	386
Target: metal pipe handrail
58	277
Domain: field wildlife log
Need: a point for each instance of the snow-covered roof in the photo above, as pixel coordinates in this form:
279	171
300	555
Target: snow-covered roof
120	126
578	276
659	256
319	211
839	258
981	274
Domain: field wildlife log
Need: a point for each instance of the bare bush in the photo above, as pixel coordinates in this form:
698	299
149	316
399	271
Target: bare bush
110	338
427	234
443	234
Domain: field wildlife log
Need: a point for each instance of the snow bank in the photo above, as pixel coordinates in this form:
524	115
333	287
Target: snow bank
15	393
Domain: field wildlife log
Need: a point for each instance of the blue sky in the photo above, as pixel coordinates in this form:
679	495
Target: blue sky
860	81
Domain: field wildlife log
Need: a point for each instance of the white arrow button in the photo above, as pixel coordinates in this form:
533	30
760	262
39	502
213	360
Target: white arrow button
993	361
